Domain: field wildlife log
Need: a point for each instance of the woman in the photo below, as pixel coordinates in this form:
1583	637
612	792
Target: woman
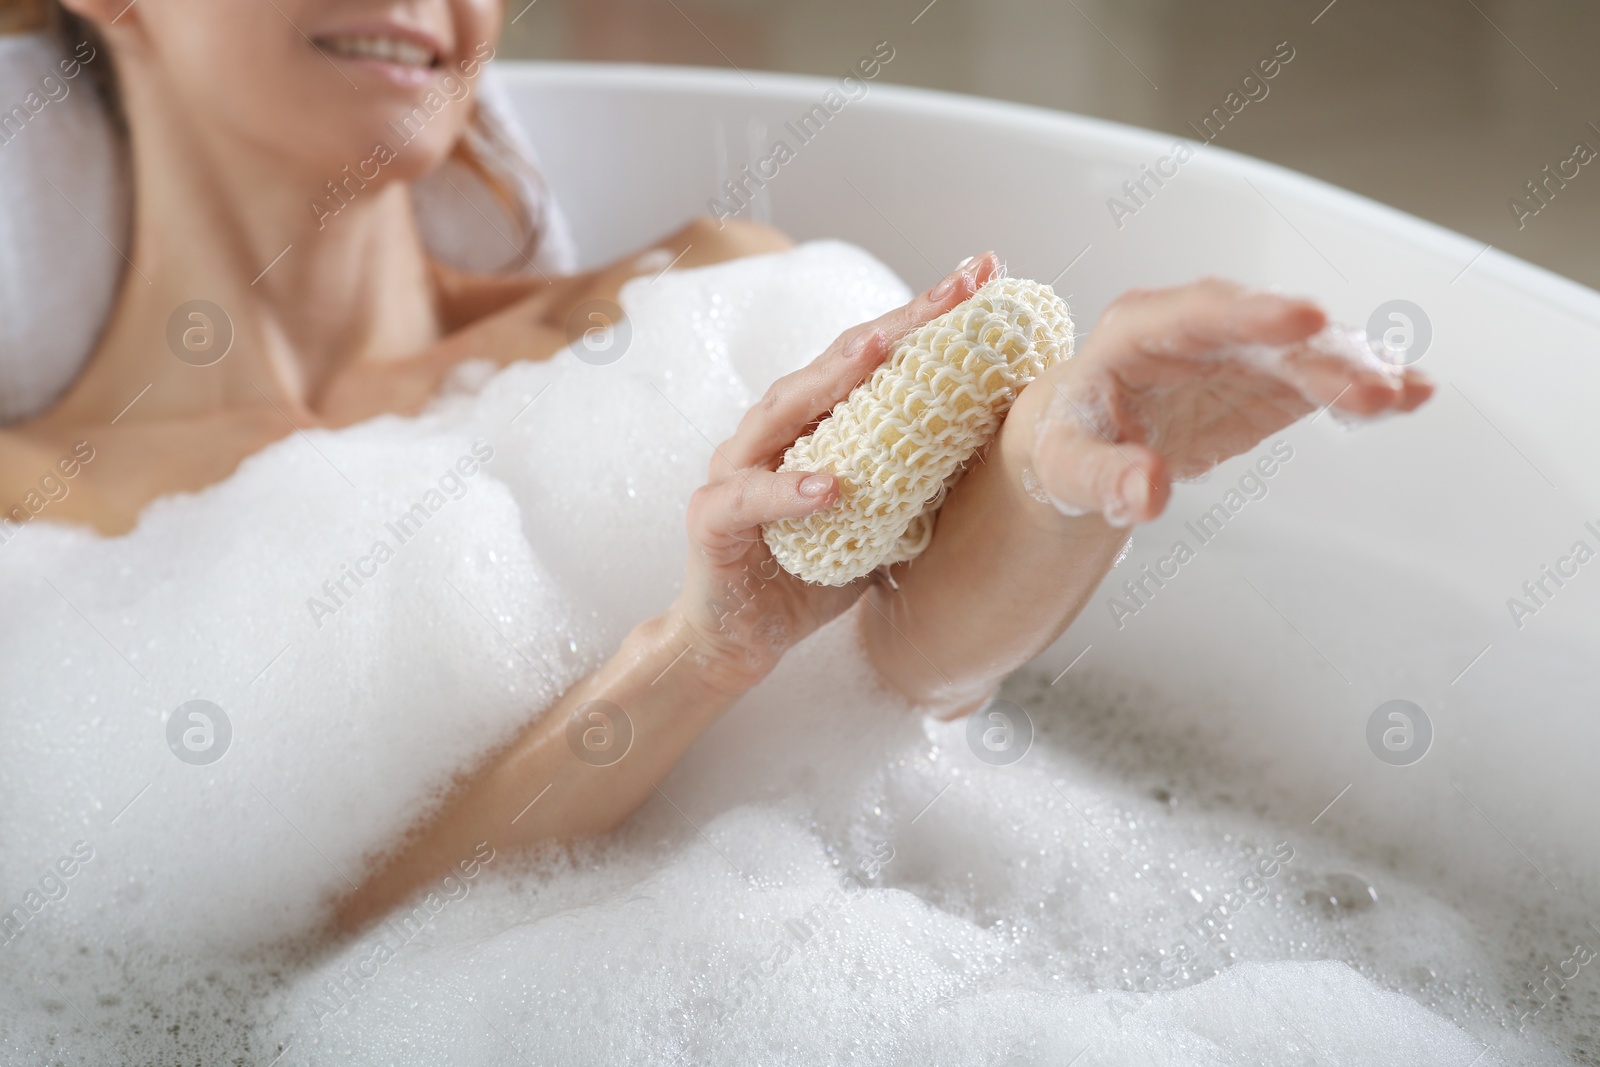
237	118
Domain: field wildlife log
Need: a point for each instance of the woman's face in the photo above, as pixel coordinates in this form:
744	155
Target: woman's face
323	83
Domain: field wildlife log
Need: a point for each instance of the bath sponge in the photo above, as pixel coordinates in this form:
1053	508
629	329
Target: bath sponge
900	440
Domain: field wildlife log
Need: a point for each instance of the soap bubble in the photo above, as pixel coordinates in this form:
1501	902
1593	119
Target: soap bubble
1399	332
999	733
199	332
1342	893
598	332
1399	732
199	732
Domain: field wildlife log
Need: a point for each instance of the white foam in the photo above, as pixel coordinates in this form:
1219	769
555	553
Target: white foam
1011	913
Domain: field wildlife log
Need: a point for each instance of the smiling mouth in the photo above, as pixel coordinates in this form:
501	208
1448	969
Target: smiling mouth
382	49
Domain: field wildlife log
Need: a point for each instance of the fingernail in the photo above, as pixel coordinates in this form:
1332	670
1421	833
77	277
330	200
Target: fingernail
814	485
1134	489
946	287
964	262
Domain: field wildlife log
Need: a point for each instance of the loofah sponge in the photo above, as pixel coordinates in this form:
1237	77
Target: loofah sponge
902	437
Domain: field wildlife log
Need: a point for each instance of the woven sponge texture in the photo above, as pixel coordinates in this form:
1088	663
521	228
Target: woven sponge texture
902	437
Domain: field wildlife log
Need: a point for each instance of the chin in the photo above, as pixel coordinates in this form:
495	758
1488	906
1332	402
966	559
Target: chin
414	130
371	155
419	158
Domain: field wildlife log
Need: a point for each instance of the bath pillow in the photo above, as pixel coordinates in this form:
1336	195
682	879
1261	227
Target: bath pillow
64	203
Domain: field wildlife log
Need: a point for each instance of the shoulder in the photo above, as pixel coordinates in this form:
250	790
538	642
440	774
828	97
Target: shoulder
506	319
470	298
466	298
708	240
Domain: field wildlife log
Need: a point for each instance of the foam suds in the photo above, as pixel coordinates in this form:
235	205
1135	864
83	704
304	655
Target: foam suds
825	857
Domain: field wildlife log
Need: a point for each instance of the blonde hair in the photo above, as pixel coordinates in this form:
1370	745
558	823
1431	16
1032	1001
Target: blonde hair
487	148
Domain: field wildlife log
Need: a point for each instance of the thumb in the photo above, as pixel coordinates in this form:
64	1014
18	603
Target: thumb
1124	481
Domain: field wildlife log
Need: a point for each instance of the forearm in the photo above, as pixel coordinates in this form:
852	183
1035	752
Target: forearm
960	620
547	787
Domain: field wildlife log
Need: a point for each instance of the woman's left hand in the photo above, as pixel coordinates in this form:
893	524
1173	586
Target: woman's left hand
1169	383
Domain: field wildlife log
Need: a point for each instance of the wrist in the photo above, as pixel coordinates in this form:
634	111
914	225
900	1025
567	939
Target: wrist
1022	497
703	661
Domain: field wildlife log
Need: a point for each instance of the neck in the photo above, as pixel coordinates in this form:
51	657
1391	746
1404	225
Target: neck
225	221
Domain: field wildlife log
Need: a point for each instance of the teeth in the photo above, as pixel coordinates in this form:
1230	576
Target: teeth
388	49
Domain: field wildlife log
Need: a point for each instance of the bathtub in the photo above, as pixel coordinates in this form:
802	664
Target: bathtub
1245	692
1382	564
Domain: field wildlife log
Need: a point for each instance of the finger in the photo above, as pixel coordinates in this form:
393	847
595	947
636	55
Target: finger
1330	380
952	289
796	400
1214	318
973	273
1124	481
726	516
1337	371
1205	318
1417	389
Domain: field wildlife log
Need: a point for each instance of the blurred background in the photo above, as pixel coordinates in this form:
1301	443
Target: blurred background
1442	108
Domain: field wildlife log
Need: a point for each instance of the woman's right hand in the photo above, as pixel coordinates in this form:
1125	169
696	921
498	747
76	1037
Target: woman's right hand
742	610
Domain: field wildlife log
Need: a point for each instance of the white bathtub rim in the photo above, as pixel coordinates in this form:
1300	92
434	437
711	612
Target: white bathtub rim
1450	247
